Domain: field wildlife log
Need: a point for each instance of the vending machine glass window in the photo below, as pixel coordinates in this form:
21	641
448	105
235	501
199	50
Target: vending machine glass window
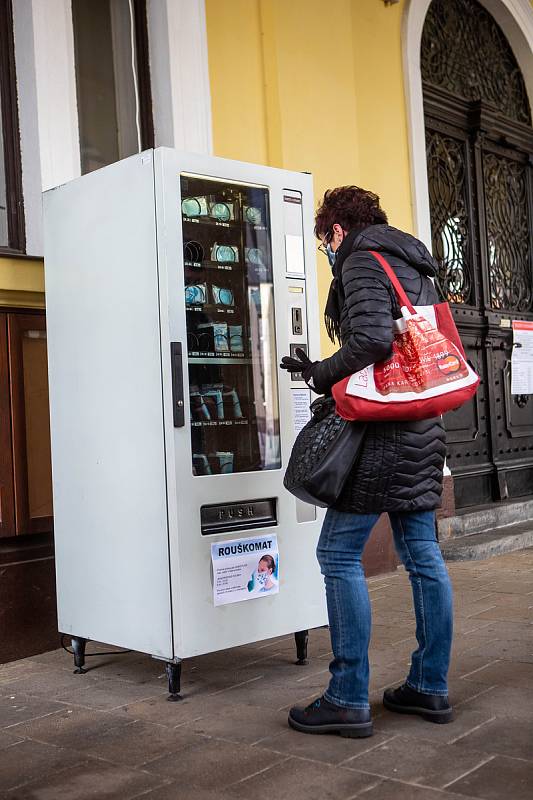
231	343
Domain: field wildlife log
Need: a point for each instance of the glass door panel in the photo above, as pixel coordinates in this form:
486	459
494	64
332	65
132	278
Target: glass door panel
229	301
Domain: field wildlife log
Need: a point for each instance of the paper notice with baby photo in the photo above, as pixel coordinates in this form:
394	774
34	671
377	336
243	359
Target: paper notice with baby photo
244	569
522	358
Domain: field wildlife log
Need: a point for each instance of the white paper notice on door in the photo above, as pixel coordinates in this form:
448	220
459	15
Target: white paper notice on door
522	357
301	414
244	569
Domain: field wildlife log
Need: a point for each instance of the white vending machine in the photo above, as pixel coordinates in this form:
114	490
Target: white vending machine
174	285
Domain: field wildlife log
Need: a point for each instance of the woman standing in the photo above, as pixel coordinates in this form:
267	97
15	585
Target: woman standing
398	471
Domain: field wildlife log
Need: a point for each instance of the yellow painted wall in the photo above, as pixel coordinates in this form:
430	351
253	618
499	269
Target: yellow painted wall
313	85
21	282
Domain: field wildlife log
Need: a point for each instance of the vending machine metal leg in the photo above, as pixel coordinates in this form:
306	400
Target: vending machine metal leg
174	680
78	646
302	638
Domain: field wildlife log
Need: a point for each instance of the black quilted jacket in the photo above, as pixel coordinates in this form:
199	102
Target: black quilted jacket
400	465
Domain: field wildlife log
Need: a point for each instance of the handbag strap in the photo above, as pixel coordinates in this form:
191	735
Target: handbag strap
398	288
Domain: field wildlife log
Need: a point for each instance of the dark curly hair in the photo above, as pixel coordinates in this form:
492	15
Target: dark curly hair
350	207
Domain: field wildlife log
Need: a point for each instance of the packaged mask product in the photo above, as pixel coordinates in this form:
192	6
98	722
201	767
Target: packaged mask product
236	344
254	255
193	252
201	465
192	342
218	333
222	296
225	462
196	294
233	397
253	215
199	410
194	207
225	253
221	211
216	394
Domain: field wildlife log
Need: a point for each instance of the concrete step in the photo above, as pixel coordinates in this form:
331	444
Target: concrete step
486	518
478	546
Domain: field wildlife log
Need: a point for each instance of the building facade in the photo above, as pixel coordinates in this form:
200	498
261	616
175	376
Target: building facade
426	102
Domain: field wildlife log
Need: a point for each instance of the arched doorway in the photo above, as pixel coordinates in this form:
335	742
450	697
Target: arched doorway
479	146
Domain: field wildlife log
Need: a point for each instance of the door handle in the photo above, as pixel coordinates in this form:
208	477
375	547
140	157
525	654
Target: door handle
176	365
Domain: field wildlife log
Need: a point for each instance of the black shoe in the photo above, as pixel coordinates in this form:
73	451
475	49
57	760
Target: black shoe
404	700
321	716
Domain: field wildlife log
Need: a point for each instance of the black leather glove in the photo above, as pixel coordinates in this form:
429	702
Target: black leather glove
304	365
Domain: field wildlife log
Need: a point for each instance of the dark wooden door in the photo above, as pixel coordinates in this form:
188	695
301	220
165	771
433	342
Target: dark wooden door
7	508
480	191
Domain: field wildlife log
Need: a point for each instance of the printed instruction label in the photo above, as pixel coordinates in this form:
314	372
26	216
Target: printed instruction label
244	569
301	413
522	358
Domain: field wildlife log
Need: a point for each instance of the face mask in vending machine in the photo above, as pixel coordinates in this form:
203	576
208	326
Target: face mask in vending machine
171	422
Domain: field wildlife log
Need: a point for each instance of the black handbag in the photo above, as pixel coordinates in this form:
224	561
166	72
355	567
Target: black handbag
323	455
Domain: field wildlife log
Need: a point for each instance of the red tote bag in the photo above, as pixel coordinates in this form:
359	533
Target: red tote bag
426	375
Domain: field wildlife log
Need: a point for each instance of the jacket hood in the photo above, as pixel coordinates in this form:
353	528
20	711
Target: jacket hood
395	243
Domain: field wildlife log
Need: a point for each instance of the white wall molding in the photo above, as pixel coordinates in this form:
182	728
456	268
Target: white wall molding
515	17
50	151
179	74
29	133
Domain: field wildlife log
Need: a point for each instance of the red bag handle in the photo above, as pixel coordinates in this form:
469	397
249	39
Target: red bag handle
400	291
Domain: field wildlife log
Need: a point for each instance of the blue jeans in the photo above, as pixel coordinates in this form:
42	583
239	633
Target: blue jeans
339	552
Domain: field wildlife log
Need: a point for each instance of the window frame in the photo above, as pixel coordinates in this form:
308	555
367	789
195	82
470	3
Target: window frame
141	41
11	135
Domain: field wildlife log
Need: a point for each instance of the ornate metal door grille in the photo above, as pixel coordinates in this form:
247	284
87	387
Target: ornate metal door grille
478	143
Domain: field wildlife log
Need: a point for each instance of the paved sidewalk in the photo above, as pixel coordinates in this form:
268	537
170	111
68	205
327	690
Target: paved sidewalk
112	733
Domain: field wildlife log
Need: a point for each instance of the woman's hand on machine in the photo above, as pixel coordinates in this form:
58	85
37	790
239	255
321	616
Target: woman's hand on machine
302	363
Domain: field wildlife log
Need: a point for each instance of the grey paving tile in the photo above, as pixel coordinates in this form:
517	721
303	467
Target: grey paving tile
135	743
48	683
27	761
94	780
504	612
9	737
394	790
176	791
508	650
241	723
213	764
503	700
193	706
16	708
68	727
132	669
507	736
425	763
467	691
500	777
260	693
466	719
17	669
107	695
508	673
304	780
327	749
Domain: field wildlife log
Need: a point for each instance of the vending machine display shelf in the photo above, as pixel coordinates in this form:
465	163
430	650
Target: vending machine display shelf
208	265
215	423
213	223
209	307
218	358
